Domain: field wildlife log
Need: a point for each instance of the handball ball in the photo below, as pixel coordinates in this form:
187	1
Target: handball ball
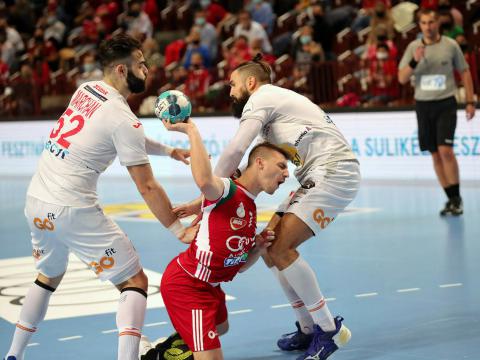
173	105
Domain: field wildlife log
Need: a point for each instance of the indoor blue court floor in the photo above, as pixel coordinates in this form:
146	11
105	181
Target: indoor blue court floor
405	280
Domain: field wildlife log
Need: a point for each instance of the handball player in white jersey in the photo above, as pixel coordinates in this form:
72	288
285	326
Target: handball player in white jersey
329	178
62	204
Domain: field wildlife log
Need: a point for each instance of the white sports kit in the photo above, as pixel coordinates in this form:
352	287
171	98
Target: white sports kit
62	203
326	166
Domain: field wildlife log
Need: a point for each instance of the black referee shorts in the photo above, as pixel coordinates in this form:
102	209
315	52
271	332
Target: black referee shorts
436	123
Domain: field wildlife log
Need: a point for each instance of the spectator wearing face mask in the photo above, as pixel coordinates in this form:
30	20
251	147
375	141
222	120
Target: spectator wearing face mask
382	16
195	45
198	80
208	34
382	78
365	14
136	21
447	25
307	50
89	71
252	30
377	36
262	13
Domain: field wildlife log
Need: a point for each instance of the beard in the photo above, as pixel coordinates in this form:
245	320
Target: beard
239	104
135	84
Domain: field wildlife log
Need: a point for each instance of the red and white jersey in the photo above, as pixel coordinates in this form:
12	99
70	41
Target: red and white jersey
226	235
96	126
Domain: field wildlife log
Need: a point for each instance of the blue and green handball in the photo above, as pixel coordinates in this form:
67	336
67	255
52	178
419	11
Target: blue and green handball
174	106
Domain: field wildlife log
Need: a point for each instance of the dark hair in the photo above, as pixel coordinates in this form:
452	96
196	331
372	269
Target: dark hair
117	48
259	149
257	68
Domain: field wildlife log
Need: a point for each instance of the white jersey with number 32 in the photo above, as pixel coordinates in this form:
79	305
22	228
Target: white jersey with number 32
96	126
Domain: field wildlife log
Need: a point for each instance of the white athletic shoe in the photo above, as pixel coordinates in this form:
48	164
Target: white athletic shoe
144	346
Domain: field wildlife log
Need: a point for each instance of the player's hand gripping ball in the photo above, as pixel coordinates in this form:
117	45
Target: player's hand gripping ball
173	105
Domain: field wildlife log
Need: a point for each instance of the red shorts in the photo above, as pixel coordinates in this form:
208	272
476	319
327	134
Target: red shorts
195	307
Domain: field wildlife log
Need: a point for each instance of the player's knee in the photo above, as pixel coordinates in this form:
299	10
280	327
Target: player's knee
140	281
446	153
50	282
279	252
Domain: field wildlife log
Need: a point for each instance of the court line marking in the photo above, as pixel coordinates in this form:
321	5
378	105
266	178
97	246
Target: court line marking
366	295
70	338
156	324
279	306
240	311
450	285
407	290
244	311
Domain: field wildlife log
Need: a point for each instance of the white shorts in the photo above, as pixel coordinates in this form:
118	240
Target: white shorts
325	192
87	232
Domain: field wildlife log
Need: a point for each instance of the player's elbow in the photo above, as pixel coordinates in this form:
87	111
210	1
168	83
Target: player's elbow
147	187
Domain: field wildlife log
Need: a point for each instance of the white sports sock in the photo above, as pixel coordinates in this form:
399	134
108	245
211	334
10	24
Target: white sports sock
301	312
302	279
130	317
33	312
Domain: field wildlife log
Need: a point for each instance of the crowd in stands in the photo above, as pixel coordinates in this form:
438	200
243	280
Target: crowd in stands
337	52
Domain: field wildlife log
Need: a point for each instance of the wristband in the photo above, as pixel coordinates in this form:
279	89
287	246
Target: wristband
177	228
413	63
471	103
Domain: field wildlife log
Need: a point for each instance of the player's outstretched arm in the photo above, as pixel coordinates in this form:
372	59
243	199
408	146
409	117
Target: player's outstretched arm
157	200
262	242
210	185
156	148
233	153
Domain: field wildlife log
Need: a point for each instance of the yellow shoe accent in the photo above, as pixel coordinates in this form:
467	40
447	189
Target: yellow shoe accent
343	336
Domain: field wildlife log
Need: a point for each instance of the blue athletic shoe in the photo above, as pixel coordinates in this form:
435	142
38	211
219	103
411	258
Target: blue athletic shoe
295	341
324	343
11	357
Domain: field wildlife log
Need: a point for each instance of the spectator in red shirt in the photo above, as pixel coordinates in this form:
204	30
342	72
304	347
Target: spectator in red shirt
215	12
237	54
107	14
198	80
174	51
41	74
382	78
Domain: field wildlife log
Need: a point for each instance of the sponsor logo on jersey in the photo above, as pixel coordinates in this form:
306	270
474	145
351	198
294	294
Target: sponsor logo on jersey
236	243
237	223
250	220
96	94
235	260
106	262
301	136
44	224
38	253
55	149
321	219
101	89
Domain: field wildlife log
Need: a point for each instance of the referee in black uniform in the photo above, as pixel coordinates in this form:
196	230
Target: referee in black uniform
433	59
